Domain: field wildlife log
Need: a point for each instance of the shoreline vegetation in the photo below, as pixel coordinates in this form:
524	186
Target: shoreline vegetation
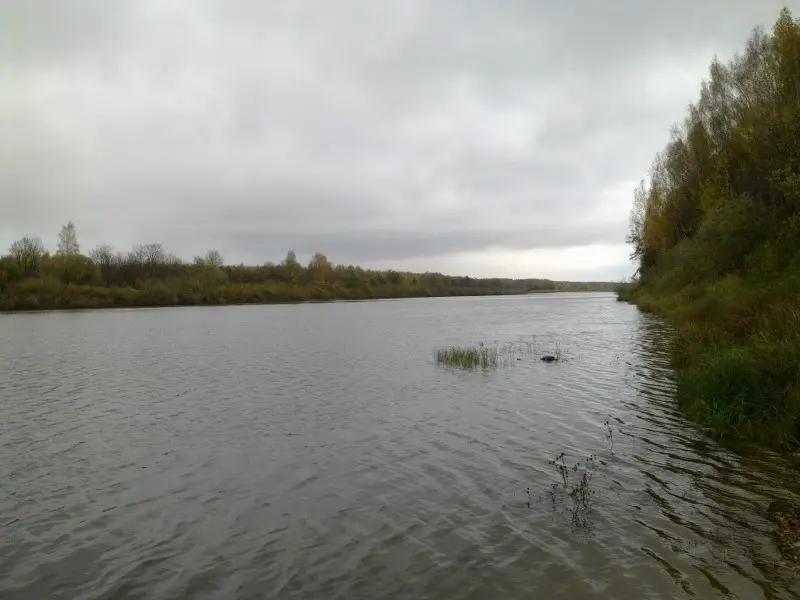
147	276
716	232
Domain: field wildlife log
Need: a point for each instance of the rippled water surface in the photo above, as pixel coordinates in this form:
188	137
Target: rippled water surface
316	451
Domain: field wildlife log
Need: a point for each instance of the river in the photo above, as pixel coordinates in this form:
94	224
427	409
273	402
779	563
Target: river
317	451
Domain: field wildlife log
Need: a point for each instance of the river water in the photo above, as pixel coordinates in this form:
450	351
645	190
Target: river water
317	451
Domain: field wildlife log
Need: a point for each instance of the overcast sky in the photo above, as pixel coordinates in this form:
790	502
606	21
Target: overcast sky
498	138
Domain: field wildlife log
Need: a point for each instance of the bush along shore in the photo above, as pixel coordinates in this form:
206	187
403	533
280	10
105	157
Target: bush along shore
33	279
716	232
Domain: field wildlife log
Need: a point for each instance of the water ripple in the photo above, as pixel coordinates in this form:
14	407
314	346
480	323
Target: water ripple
316	451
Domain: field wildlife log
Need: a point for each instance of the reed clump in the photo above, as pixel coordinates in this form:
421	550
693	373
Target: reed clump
500	354
468	357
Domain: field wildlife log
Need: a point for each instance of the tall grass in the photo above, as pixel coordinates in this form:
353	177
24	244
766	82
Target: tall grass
456	356
736	350
503	354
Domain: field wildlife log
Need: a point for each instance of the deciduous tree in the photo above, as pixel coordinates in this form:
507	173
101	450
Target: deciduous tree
68	240
28	252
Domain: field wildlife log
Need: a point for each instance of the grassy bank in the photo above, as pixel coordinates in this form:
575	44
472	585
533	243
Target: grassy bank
54	295
716	231
737	354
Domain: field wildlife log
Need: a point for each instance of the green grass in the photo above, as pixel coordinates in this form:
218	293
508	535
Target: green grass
746	390
467	357
504	354
736	351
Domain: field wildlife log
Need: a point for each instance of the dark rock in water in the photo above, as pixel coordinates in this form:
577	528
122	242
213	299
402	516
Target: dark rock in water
548	358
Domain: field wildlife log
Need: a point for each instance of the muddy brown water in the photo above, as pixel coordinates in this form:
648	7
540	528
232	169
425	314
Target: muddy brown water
316	451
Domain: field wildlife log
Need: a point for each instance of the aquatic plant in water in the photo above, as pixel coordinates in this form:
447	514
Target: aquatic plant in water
580	494
467	357
503	354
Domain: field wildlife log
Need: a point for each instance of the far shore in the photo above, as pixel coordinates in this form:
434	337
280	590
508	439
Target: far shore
77	308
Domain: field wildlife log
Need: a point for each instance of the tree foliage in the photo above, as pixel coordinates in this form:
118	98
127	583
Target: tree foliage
211	258
28	253
737	151
148	275
715	228
68	240
214	258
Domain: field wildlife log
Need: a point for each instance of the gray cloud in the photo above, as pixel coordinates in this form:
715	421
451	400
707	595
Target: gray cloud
370	131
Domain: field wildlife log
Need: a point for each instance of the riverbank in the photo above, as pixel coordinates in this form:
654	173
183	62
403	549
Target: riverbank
715	230
33	279
736	352
50	295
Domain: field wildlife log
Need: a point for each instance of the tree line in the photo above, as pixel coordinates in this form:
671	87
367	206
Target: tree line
731	173
715	229
148	275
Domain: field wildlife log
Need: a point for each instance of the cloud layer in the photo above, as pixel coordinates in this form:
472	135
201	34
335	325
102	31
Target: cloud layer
463	136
